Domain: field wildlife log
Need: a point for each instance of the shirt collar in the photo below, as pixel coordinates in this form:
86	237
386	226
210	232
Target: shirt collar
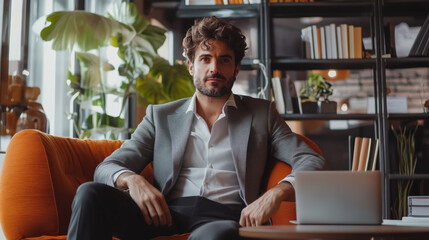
229	103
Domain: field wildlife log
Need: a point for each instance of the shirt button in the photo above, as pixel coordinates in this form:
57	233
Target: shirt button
210	145
210	166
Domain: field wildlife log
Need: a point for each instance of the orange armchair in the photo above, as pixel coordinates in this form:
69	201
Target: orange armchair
41	173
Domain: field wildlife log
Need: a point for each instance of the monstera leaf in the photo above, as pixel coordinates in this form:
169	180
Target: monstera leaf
165	82
90	69
87	30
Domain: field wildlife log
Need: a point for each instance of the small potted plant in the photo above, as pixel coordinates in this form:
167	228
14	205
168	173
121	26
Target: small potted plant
315	95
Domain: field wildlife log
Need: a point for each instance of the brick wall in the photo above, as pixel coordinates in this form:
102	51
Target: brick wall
410	83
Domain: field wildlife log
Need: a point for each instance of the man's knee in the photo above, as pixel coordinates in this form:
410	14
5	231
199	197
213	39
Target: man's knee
88	193
217	230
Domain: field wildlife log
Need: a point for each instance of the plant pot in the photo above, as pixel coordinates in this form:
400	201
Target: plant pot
309	107
327	107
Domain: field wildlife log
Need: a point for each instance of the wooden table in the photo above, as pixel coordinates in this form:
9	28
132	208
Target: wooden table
335	232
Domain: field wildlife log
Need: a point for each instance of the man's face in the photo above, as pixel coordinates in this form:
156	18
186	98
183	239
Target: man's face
214	69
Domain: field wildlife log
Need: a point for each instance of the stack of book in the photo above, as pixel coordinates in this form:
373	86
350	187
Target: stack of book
285	94
418	206
220	2
332	42
365	154
420	46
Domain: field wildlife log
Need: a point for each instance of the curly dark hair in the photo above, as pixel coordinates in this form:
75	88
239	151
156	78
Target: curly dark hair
209	28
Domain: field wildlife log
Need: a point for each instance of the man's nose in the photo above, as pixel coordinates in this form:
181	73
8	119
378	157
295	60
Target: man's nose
214	68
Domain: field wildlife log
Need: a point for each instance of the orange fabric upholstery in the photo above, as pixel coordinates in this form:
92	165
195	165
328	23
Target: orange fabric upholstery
280	170
40	176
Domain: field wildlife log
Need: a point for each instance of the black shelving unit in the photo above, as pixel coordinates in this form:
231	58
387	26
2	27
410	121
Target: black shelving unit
305	64
317	116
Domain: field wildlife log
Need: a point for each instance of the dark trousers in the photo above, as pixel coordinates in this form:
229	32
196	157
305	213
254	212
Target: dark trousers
100	212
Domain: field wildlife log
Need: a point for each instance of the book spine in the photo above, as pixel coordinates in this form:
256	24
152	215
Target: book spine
339	43
333	41
344	40
328	42
315	42
418	200
278	95
351	42
323	42
363	158
418	211
357	32
356	153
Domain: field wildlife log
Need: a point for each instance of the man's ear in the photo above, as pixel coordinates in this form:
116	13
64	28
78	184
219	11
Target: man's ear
190	68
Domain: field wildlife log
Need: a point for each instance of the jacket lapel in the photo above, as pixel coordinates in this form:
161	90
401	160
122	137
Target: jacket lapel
180	128
239	125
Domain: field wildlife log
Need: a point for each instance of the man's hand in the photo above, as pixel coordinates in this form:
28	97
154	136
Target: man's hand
259	211
149	199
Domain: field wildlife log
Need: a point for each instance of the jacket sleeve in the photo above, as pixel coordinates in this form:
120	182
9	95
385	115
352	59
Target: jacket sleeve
134	154
289	147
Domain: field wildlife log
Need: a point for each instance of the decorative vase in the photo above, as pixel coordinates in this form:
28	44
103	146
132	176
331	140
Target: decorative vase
328	107
309	107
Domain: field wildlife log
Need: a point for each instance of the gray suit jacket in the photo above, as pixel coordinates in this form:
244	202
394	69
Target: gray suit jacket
258	135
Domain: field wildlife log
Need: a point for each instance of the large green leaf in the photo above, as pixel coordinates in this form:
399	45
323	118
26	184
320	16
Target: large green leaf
90	69
100	120
128	14
154	35
87	30
151	90
176	80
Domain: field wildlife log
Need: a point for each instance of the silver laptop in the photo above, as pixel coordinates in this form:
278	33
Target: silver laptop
338	197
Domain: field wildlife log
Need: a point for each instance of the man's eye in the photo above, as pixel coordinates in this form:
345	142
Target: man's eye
205	59
226	60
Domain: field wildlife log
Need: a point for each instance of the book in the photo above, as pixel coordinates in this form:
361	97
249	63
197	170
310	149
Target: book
290	96
278	95
344	40
375	155
200	2
307	39
333	41
418	201
415	219
358	49
328	42
422	37
364	154
287	98
351	37
323	42
319	43
339	43
315	41
389	37
418	211
356	153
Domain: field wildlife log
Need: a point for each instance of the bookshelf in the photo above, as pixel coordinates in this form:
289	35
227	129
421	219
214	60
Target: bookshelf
279	25
414	13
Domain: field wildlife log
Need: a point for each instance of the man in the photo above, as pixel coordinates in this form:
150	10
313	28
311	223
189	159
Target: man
209	155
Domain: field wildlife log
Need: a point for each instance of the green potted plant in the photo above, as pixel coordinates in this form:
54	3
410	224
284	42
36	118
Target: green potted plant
315	95
141	70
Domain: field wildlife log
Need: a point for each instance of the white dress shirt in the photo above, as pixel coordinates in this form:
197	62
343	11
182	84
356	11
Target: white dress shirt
208	168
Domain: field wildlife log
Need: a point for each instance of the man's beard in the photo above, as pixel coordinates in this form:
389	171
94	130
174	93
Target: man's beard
215	91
